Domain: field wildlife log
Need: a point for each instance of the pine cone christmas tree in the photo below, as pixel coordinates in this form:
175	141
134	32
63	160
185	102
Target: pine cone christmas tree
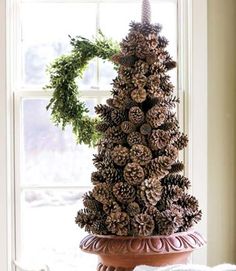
137	189
151	191
133	173
143	225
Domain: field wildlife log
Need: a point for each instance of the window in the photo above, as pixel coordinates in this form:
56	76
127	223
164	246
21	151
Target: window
51	171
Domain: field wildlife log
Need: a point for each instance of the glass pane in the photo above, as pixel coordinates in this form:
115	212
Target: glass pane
106	74
49	234
51	156
45	30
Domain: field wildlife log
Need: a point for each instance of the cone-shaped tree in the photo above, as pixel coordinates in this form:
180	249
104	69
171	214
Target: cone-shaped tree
138	189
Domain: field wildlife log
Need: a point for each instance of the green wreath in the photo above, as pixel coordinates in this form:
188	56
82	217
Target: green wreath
66	107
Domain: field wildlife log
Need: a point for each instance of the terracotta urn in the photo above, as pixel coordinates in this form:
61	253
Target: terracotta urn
125	253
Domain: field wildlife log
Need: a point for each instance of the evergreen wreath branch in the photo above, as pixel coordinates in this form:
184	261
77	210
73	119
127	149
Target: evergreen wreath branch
66	107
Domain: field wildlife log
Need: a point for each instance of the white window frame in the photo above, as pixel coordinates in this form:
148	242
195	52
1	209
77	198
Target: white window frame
192	59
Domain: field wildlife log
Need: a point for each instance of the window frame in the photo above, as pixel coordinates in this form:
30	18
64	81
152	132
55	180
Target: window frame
192	23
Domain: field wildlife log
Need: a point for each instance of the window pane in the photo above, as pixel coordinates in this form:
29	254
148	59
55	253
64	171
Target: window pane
51	156
49	234
45	30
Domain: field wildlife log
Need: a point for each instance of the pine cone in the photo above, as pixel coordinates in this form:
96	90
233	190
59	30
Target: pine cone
127	61
120	100
111	207
153	212
167	126
152	41
169	222
133	209
117	223
145	28
96	177
171	152
117	116
169	63
139	95
102	127
109	174
162	42
101	192
176	179
124	192
133	173
127	127
145	129
140	154
139	80
156	116
151	191
177	167
104	145
135	138
115	134
153	86
109	102
136	115
142	225
140	67
172	193
99	227
189	204
85	218
120	155
160	166
104	112
159	139
91	203
151	58
182	142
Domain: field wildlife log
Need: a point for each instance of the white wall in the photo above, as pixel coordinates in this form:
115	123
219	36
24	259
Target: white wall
221	131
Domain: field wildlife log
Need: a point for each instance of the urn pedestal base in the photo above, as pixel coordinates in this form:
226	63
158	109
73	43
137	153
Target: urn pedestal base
125	253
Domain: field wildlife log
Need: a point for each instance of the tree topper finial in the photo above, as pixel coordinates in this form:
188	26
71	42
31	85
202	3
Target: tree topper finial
146	11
